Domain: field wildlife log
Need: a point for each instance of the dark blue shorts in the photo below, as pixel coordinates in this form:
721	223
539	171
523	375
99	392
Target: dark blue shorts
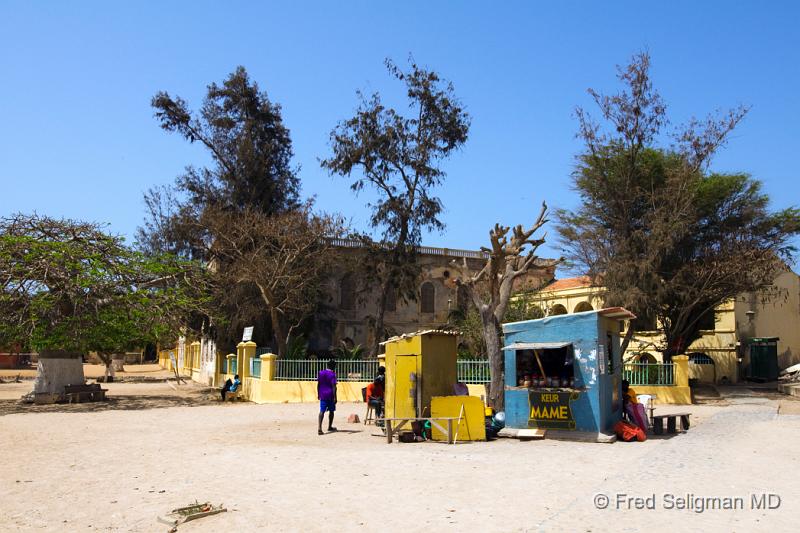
327	405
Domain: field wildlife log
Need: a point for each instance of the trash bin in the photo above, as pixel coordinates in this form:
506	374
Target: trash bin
764	358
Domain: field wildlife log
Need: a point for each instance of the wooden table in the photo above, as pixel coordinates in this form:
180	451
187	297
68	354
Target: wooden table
392	428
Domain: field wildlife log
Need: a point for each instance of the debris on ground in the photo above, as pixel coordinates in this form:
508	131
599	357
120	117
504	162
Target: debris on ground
353	419
197	510
791	374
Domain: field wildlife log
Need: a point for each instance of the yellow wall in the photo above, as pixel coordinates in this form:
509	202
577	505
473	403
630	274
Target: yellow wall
680	393
472	425
430	359
569	298
267	390
439	372
703	373
776	316
401	359
263	391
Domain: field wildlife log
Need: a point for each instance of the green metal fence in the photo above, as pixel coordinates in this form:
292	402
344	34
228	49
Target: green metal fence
255	367
475	371
649	373
309	369
468	370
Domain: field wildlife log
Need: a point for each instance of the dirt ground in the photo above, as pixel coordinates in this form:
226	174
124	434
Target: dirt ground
145	371
116	466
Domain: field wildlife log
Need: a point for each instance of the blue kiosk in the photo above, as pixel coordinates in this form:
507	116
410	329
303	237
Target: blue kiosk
563	373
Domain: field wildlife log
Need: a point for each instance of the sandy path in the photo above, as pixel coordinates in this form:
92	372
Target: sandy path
117	469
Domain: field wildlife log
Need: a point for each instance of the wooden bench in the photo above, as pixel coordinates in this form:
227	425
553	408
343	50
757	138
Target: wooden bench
84	393
658	422
232	395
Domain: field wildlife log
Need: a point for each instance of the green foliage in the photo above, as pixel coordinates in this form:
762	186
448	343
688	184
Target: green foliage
345	352
473	345
250	170
669	239
521	308
67	285
297	348
251	153
399	157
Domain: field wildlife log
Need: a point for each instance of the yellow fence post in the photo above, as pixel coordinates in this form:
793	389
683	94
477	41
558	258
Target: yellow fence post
681	370
246	351
229	363
194	361
268	365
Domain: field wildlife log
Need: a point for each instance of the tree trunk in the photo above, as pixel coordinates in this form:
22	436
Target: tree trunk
625	342
378	328
108	361
278	330
493	351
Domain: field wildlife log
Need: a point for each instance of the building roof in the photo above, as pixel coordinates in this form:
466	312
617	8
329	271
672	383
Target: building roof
434	250
569	283
420	333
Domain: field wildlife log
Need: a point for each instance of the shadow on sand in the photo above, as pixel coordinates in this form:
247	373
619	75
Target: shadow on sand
116	403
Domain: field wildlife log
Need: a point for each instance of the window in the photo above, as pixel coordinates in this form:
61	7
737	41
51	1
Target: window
427	297
557	364
347	296
700	359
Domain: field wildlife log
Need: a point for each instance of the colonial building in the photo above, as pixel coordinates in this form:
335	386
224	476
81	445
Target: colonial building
721	353
349	305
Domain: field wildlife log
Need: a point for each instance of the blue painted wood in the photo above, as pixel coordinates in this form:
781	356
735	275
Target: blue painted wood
598	405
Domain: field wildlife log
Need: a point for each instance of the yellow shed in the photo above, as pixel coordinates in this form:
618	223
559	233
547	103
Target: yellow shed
419	366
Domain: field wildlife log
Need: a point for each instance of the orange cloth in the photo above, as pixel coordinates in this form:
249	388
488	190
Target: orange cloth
631	396
374	391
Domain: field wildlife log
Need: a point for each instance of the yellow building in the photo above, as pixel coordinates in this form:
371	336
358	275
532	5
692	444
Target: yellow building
720	354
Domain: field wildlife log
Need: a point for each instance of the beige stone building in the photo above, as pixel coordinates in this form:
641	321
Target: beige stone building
721	353
349	305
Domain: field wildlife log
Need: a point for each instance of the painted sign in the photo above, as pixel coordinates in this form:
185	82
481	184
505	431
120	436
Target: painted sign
551	410
248	334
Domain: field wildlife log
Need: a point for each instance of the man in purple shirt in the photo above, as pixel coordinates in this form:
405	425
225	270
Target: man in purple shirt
326	393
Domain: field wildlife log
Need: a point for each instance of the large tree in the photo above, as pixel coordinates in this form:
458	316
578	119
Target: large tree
250	151
399	157
250	169
490	289
669	238
69	286
284	257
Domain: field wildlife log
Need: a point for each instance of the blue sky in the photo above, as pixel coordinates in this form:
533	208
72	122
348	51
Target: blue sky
78	138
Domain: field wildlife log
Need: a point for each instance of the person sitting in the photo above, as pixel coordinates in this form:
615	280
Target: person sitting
632	407
231	386
375	394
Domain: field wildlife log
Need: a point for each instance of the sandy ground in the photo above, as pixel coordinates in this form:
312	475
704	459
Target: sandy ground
116	466
145	371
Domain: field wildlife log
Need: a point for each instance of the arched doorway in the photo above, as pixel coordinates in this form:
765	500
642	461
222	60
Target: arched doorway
582	307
